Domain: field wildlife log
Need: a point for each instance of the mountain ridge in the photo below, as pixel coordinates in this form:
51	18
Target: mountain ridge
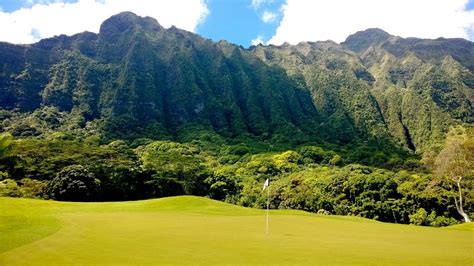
134	72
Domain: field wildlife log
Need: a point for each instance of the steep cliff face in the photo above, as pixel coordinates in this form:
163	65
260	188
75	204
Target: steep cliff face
136	71
135	78
423	85
383	86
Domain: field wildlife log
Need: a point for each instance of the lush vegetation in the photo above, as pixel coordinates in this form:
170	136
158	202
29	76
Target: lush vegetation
373	127
195	230
309	177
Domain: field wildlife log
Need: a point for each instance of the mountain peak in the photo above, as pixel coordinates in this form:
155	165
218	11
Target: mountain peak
362	40
125	21
373	32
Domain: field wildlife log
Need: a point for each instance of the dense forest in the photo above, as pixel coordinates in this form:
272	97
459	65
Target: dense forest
378	126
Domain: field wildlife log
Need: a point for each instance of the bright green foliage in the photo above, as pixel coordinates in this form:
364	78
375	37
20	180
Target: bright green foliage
455	164
27	188
421	217
174	168
287	161
456	159
336	160
3	175
356	190
308	178
32	188
6	145
9	188
8	159
223	185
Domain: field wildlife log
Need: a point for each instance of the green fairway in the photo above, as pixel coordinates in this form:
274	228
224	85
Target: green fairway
194	230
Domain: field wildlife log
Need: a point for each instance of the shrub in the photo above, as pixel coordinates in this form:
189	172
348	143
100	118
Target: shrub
419	218
336	160
73	183
31	188
9	188
443	221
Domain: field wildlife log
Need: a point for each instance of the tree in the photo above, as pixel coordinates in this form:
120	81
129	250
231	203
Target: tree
7	158
74	183
222	184
456	161
174	168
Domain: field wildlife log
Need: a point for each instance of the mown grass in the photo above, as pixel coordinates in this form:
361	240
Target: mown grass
194	230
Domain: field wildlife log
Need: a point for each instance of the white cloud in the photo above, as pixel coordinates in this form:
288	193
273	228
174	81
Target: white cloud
307	20
34	2
54	17
258	40
269	17
256	4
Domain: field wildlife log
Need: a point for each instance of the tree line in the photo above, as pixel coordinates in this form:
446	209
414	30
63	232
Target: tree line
436	190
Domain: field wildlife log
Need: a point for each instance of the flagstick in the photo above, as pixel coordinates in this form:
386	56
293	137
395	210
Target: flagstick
268	203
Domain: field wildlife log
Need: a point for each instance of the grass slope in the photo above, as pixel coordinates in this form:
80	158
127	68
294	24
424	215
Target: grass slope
194	230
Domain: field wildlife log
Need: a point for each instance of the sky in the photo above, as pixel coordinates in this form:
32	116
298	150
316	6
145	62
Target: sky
245	22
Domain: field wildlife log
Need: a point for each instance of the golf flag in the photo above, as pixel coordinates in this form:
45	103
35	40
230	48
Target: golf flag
266	184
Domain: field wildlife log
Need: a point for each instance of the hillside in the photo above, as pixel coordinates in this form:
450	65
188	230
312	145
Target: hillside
137	79
181	230
383	86
154	80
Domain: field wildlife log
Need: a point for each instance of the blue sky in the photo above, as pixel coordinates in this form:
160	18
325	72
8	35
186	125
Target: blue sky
237	21
245	22
241	22
12	5
470	5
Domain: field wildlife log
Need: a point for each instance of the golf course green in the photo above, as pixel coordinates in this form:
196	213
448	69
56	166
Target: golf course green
195	230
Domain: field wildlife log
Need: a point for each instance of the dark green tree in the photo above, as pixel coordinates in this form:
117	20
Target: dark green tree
74	183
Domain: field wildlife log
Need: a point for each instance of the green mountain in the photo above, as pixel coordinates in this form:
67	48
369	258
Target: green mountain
140	79
374	84
137	79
